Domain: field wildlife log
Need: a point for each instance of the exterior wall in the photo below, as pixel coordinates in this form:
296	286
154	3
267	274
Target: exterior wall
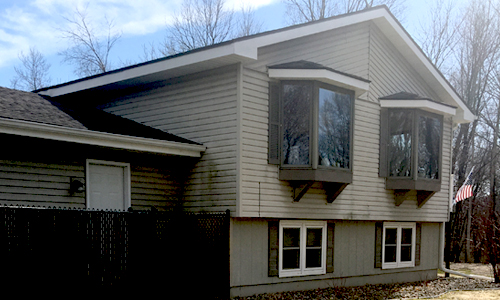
42	177
354	259
203	108
360	50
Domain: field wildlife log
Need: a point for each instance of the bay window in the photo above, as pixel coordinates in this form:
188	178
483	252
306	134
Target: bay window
410	154
316	131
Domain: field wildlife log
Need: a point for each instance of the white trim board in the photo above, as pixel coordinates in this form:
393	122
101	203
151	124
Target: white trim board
424	104
246	49
81	136
323	75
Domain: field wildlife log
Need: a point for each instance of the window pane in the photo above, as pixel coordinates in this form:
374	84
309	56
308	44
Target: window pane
334	128
406	236
400	126
296	113
291	259
405	253
313	258
390	254
429	137
314	237
291	237
391	236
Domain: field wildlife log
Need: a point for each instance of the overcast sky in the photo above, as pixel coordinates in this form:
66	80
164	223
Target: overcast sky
36	23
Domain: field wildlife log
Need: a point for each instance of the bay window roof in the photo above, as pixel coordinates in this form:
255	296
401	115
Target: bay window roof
409	100
306	70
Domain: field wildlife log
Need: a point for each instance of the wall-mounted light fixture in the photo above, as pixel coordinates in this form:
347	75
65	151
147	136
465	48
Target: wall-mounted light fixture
76	185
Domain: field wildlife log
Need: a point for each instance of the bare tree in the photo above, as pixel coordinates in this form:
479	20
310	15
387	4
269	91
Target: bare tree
89	47
301	11
33	73
439	36
248	23
200	23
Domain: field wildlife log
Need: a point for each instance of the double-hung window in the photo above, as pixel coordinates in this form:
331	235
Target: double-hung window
398	245
302	248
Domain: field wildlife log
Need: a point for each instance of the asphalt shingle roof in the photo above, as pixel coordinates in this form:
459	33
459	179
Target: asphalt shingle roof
31	107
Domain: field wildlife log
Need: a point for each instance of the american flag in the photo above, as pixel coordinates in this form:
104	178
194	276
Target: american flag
465	190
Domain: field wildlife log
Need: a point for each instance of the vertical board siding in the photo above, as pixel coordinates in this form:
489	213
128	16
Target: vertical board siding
202	108
366	198
354	250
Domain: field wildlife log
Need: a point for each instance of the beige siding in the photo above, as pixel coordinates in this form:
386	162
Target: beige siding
203	108
40	184
154	187
263	195
354	256
48	184
345	49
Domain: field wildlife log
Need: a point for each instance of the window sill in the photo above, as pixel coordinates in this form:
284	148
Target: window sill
411	184
402	186
321	175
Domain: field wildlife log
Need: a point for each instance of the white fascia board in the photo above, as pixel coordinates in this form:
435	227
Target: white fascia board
422	104
81	136
243	49
359	86
151	68
429	72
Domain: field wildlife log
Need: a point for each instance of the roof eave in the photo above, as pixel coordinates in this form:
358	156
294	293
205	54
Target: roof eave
247	48
81	136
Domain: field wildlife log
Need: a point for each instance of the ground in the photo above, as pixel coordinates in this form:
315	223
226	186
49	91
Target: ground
443	288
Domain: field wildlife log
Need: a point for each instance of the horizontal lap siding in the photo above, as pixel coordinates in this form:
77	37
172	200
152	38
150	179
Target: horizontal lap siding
40	184
202	108
366	198
345	49
48	184
154	187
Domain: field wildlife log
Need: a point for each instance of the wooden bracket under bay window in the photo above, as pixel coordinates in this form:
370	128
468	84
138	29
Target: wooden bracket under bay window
296	197
333	190
422	196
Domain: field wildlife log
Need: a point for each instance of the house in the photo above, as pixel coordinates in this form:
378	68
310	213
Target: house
329	142
64	156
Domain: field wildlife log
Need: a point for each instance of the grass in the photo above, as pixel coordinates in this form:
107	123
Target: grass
483	295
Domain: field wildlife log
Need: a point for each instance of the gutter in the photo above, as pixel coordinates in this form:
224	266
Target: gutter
441	259
88	137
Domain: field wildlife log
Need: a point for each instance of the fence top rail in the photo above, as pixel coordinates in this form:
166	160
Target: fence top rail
130	210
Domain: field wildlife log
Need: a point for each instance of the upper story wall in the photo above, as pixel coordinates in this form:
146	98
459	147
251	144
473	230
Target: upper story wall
203	108
360	50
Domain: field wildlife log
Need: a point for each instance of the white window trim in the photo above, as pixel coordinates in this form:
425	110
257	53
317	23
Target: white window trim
303	225
398	263
126	179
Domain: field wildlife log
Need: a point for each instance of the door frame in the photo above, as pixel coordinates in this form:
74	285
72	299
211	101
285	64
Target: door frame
126	179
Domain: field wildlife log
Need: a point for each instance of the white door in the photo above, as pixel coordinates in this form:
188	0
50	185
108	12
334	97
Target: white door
107	186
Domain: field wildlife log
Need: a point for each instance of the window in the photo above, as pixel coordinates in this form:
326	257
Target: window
315	136
398	245
302	248
412	158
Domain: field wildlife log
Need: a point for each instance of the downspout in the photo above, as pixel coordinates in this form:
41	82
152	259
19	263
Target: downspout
441	258
442	232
